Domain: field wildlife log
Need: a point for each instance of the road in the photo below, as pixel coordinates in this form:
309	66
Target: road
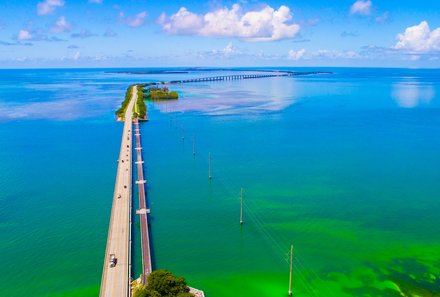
116	280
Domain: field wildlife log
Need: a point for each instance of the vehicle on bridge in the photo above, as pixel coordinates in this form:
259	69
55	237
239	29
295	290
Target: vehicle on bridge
113	260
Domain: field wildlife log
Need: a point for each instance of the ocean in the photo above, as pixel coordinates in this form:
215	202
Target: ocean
343	166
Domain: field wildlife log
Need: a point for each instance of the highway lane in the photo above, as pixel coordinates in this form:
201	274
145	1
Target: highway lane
116	280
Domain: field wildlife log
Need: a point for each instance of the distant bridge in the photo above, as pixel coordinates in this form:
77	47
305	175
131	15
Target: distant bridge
228	77
236	77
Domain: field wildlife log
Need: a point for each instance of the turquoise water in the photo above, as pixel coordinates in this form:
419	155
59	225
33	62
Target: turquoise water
345	167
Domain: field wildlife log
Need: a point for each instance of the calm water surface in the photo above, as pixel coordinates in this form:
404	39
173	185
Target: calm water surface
345	167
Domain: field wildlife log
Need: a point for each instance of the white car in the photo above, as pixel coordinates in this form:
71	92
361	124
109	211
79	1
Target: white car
113	260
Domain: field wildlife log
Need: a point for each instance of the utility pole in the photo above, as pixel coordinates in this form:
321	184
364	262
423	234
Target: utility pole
291	268
209	166
241	206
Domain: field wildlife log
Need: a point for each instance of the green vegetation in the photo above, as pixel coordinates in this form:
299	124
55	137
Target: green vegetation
120	113
140	109
157	94
162	283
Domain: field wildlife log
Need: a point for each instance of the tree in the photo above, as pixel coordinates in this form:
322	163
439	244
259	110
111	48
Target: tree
185	294
165	283
162	283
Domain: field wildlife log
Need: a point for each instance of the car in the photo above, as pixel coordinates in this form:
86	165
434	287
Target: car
113	260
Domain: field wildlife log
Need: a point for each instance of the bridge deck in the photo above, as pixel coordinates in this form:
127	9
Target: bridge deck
116	280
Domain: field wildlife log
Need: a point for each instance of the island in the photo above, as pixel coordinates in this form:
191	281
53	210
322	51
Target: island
159	94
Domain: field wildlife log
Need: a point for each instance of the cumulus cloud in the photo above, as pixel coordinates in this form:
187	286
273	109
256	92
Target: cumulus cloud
182	22
228	51
296	55
49	6
361	7
24	35
266	24
419	38
133	21
34	35
61	25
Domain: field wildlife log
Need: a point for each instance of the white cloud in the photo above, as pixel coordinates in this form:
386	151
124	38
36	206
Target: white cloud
24	35
61	25
228	51
182	22
266	24
48	6
76	56
296	55
133	21
95	1
419	38
361	7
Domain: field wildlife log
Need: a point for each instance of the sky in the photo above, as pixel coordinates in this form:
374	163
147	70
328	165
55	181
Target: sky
149	33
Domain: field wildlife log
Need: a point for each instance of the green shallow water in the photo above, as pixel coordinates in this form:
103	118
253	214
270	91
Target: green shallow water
344	167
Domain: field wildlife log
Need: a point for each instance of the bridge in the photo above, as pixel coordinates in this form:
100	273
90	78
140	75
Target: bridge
231	77
265	74
116	275
143	210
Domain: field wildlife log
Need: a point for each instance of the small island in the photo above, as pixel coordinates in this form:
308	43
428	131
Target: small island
163	283
159	94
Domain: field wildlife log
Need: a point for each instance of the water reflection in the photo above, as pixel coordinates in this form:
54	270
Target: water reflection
228	98
412	94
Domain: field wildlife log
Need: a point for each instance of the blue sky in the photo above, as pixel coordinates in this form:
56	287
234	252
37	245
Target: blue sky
146	33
